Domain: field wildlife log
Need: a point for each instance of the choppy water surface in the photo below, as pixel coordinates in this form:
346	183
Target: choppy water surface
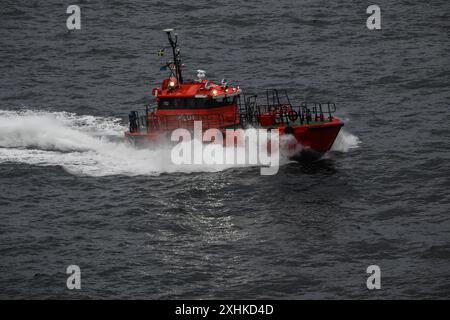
141	227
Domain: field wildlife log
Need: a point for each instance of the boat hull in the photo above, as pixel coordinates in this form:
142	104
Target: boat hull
316	138
311	140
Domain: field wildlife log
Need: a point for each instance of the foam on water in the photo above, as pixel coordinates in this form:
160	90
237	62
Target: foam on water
345	141
82	145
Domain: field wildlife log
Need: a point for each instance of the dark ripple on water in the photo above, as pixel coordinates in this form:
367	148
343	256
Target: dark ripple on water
308	232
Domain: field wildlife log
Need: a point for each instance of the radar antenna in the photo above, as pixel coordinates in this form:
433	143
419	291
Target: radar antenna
173	40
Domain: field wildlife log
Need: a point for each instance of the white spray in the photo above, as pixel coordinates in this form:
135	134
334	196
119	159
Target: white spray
82	145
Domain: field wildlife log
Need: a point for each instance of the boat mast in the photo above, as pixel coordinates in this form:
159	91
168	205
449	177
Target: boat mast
173	40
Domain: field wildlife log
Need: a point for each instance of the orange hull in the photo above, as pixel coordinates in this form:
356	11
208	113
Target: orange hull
317	138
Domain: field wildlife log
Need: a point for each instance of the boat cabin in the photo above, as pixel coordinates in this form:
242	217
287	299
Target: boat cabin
216	105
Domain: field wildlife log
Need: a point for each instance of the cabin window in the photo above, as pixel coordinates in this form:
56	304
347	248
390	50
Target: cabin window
194	103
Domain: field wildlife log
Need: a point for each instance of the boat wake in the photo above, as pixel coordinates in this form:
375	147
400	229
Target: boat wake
93	146
345	141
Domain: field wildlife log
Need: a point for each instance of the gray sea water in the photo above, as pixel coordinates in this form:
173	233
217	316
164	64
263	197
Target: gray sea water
139	227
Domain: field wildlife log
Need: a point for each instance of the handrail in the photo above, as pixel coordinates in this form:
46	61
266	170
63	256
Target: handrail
250	112
306	112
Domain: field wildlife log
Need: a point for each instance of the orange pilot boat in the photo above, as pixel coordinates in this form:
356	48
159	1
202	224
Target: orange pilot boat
179	103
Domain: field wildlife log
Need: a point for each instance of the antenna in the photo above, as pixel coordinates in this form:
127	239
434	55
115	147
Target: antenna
173	40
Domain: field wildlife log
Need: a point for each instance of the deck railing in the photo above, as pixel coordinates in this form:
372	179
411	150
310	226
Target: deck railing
305	113
248	113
